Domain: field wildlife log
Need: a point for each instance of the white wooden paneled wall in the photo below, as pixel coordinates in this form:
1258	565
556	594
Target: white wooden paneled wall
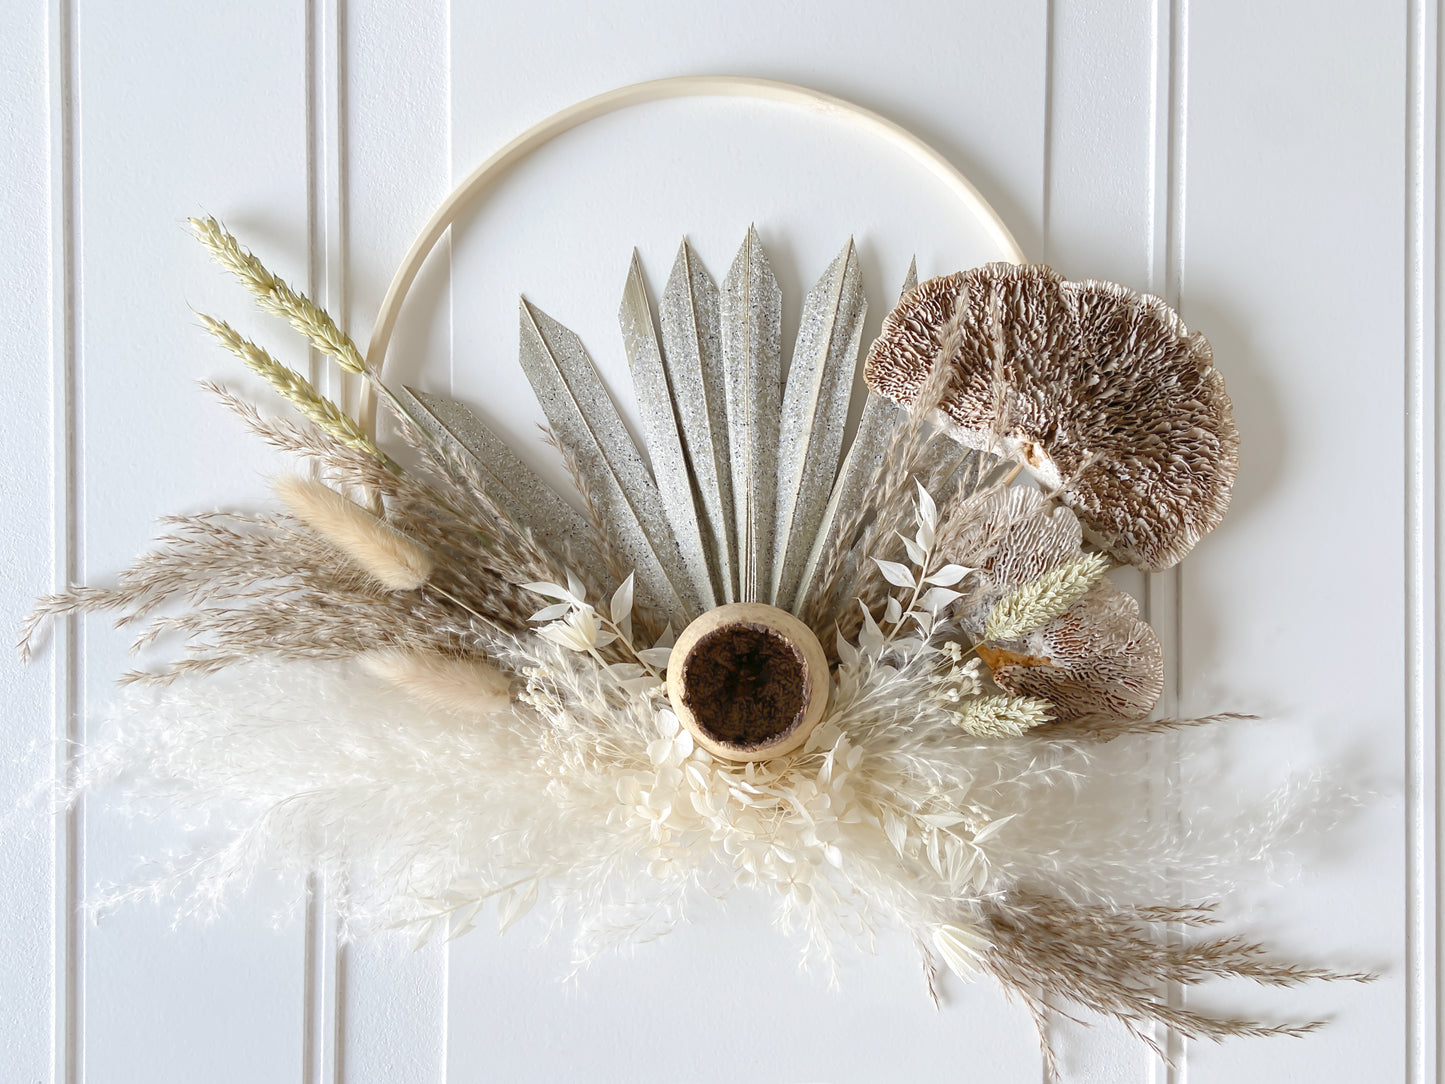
1271	169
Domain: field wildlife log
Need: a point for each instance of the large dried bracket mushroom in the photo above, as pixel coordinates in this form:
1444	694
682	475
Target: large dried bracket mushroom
1101	393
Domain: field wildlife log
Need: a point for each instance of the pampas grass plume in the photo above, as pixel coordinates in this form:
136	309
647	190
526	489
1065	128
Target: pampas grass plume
464	685
392	559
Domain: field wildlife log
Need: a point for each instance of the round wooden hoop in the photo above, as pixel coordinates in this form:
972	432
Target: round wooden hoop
490	171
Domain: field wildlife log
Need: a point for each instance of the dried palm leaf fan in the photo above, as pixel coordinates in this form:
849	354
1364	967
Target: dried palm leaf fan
897	672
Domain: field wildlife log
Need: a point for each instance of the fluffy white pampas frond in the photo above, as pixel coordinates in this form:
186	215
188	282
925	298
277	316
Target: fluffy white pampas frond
602	805
306	766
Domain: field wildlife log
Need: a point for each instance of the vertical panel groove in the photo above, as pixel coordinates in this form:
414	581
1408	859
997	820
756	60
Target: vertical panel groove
1422	558
325	956
1163	591
1046	200
67	966
1046	255
1431	293
449	135
1177	1047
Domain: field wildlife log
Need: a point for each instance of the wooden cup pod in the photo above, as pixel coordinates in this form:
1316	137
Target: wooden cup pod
749	681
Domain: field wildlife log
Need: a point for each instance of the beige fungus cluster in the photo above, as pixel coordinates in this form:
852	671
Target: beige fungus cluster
1102	394
1099	657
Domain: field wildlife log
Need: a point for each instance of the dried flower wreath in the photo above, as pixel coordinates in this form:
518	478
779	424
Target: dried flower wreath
444	685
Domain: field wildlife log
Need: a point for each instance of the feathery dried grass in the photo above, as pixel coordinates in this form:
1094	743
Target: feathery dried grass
295	389
596	519
1115	961
284	590
1104	729
482	554
208	556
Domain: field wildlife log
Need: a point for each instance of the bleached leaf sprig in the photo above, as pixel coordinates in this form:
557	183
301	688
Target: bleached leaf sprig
1032	604
926	591
575	624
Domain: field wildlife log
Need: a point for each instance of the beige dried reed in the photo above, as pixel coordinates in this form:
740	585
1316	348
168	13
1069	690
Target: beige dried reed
1102	728
596	519
465	685
275	295
295	389
1116	962
482	555
388	556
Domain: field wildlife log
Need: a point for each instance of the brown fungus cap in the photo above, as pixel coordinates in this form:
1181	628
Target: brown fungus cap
1099	392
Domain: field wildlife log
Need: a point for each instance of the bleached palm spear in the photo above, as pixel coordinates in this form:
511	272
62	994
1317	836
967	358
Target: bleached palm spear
746	477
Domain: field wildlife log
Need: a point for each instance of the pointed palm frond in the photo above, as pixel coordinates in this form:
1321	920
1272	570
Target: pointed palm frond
692	354
860	467
515	487
585	420
670	465
815	413
752	333
756	493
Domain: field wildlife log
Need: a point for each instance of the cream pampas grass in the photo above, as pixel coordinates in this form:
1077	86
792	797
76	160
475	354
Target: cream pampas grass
383	552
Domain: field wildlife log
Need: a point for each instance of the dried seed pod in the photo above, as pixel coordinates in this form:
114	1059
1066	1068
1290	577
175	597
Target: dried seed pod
750	681
1014	535
1101	393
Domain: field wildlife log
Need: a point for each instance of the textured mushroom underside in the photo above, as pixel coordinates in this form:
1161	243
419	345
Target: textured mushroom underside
1099	392
1097	658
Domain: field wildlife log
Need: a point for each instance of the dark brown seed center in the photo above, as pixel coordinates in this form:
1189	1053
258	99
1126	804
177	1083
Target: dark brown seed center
745	684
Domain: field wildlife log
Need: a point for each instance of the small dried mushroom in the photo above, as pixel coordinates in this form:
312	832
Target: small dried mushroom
1097	658
1101	393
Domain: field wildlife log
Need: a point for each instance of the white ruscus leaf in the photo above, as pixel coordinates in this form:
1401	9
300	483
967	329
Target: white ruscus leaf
963	948
895	573
621	605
